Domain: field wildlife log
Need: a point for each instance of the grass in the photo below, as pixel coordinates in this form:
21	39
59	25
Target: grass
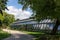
28	32
43	36
3	34
35	34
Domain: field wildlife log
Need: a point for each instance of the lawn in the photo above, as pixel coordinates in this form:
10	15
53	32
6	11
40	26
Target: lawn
4	34
28	32
35	34
43	36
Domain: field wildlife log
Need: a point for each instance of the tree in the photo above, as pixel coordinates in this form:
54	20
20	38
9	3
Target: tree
44	9
1	19
17	20
8	19
3	4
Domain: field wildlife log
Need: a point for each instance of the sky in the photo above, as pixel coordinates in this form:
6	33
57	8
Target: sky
16	10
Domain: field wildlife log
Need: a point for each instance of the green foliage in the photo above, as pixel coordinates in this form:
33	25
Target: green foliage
8	18
1	17
4	34
42	8
3	4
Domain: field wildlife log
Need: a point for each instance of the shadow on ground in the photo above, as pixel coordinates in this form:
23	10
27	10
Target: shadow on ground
46	37
20	37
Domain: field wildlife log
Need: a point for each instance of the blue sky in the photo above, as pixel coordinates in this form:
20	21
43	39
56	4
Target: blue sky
14	3
16	10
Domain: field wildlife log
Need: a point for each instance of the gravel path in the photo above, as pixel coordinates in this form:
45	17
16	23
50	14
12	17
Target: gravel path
18	35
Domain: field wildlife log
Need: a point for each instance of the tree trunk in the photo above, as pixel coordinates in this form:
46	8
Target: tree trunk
0	23
55	28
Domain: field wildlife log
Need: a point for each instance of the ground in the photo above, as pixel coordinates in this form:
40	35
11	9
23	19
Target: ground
18	35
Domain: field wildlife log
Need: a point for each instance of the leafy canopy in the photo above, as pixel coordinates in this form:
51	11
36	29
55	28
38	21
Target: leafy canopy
42	8
1	17
3	4
8	18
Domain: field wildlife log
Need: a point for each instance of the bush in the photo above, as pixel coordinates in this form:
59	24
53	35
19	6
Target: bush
3	34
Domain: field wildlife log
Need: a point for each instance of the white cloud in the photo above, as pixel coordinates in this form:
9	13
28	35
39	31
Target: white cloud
18	13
